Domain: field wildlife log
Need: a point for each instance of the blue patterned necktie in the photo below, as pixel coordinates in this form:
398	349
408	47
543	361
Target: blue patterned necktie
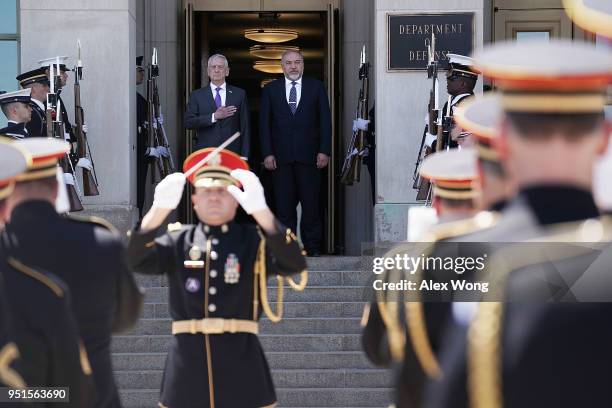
293	98
218	97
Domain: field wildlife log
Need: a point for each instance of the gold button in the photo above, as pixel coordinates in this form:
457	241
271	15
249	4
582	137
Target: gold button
213	273
212	290
212	307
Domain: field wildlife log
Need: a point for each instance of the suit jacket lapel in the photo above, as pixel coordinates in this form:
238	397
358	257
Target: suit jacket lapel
229	96
304	94
209	98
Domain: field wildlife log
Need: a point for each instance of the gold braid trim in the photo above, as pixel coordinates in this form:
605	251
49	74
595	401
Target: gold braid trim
9	376
260	269
303	281
417	330
484	357
85	365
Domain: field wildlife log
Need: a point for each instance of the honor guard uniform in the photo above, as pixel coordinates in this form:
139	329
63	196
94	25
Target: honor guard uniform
68	127
85	252
408	330
13	163
461	78
37	126
141	139
16	107
50	351
515	354
217	283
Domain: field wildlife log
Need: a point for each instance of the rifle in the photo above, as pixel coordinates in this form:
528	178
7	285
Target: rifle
55	128
351	168
161	166
434	116
90	181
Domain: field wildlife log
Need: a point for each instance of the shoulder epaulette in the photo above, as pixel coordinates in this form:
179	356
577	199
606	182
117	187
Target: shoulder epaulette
94	220
45	279
482	220
175	226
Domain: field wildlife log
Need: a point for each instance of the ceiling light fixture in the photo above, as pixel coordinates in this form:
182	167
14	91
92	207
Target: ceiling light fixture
271	51
269	67
270	35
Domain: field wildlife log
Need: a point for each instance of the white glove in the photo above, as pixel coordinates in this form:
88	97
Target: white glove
62	204
163	151
85	164
160	119
252	199
85	128
67	136
169	191
152	152
69	179
154	124
360	124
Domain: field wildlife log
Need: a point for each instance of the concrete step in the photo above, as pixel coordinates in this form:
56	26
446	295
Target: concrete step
290	309
315	278
286	326
312	294
338	378
306	397
277	360
270	342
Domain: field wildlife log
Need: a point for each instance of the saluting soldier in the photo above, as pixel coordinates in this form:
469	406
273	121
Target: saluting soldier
85	252
551	132
16	107
45	331
217	273
38	81
408	330
13	163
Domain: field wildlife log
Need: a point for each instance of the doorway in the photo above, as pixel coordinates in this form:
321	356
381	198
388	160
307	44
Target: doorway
523	20
215	27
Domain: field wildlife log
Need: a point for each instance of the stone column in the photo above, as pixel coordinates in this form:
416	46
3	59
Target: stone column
400	111
107	31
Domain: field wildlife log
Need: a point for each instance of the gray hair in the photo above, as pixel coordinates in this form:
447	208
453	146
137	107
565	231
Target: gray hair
220	56
287	52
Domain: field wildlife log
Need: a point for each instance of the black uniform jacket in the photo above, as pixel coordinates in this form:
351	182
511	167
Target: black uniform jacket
9	352
37	126
232	366
549	354
15	130
436	312
46	333
88	255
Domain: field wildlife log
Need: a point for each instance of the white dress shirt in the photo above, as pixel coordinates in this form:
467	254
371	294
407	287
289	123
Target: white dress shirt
298	88
213	88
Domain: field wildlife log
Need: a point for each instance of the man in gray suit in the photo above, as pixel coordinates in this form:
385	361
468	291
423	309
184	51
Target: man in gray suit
219	110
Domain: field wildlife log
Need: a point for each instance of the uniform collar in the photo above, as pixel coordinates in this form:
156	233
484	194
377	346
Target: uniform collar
223	86
554	204
219	229
32	210
38	103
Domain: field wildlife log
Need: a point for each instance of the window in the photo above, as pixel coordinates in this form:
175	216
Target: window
532	35
9	48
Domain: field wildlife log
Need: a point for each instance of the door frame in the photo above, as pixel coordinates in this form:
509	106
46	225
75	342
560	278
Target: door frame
332	82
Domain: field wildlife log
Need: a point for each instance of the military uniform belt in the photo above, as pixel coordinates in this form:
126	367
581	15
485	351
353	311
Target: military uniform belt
215	326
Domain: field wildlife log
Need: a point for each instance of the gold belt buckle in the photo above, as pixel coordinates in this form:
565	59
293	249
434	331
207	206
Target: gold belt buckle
193	326
213	325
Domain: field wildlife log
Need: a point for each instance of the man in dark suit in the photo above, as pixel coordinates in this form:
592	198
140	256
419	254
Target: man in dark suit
295	131
219	110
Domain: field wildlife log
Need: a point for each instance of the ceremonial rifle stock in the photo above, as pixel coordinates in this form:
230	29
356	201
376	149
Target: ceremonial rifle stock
351	168
90	181
55	128
160	166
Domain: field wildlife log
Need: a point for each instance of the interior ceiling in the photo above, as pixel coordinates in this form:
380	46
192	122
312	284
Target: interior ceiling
225	35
